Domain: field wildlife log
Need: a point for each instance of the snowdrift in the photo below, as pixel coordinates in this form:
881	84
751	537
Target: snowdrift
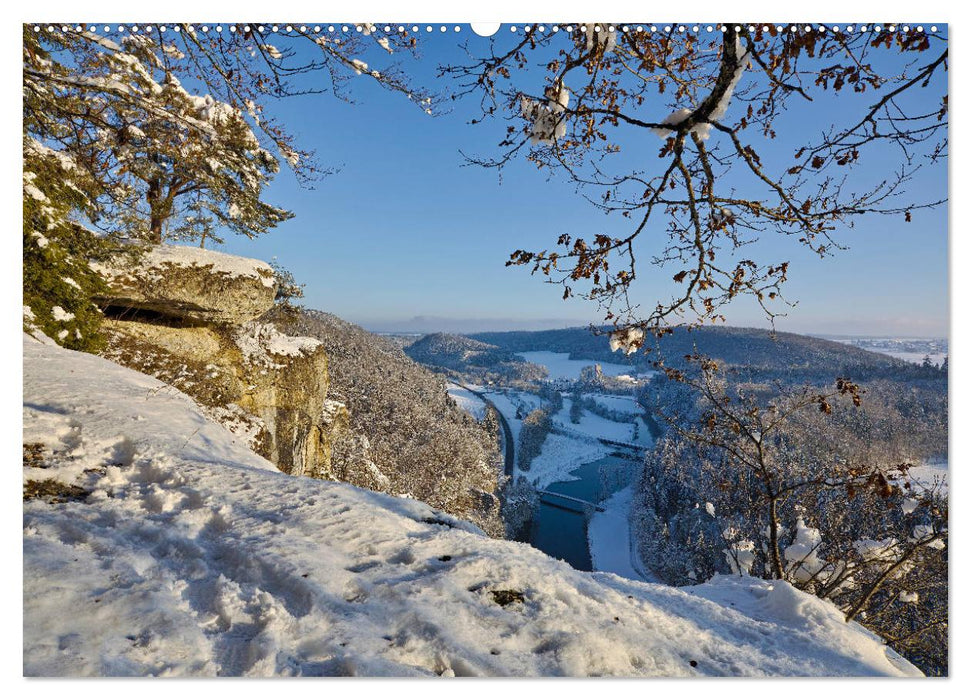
181	552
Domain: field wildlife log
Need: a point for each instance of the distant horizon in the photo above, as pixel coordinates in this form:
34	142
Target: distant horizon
425	325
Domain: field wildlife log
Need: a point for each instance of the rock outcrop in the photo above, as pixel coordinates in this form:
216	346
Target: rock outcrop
192	284
266	387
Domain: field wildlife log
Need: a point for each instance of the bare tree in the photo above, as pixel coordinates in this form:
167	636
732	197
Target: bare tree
711	102
793	490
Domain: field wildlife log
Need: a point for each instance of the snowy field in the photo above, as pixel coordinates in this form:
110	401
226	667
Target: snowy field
509	402
593	426
560	366
563	453
191	555
621	404
917	358
467	401
908	349
560	456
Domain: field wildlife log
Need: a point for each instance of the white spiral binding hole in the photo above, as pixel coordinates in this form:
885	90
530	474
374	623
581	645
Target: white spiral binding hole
432	30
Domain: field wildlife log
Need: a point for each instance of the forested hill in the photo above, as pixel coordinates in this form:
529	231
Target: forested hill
475	359
754	348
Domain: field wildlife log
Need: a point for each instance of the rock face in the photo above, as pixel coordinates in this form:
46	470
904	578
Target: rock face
190	284
268	388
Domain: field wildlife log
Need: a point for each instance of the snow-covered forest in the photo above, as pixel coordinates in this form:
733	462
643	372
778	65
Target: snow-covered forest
221	480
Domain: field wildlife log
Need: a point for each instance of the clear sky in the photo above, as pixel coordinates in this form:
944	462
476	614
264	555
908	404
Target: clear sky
406	230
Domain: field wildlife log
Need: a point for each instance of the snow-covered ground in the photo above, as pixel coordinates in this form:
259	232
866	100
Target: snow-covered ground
192	556
930	474
908	349
562	455
560	366
508	402
467	401
917	358
593	426
155	258
608	533
621	404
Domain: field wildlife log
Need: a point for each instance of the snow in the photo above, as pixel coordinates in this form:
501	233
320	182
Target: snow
608	534
740	556
193	556
570	445
592	426
547	117
31	189
620	404
467	401
60	314
917	358
599	34
802	555
562	455
928	475
157	257
627	339
924	531
703	130
260	343
506	402
560	366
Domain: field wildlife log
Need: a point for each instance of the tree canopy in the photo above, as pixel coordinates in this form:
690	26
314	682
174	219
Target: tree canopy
172	122
165	132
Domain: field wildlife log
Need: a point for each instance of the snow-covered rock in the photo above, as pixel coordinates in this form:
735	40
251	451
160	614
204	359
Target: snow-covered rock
183	553
190	283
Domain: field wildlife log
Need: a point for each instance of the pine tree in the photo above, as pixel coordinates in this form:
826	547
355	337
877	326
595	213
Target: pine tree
58	282
169	158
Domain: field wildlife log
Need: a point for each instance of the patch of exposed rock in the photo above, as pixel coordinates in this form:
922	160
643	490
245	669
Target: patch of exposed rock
201	337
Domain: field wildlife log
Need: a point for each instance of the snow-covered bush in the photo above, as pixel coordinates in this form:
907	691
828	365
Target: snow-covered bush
519	504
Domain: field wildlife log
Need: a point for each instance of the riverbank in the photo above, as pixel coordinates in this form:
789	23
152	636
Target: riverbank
609	538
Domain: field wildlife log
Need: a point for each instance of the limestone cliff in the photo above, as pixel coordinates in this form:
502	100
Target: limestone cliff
187	316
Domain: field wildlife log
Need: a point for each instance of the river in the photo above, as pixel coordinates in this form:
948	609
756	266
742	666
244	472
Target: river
560	526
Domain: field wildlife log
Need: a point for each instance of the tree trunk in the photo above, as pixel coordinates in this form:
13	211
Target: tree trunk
155	218
155	229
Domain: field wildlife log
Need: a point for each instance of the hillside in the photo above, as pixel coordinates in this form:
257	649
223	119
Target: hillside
475	360
162	545
798	355
406	436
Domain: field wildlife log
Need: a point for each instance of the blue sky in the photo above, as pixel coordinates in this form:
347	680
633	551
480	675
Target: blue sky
406	229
